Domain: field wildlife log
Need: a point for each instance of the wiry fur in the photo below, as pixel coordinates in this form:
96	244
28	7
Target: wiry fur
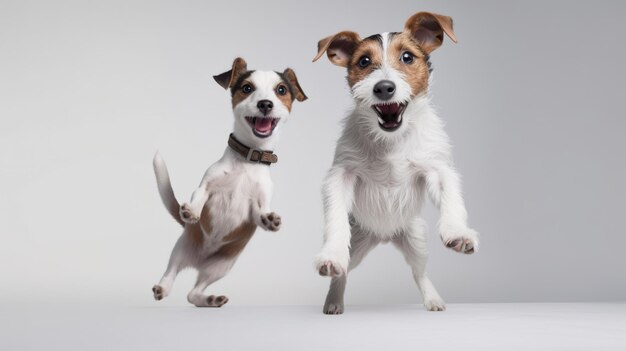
232	200
375	189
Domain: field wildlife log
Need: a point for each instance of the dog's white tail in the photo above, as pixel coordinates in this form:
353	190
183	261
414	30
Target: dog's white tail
165	188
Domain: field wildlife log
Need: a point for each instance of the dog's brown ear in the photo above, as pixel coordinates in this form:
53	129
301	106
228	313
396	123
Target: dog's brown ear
338	47
428	29
228	78
291	78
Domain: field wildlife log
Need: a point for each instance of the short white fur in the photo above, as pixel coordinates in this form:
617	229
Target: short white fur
232	190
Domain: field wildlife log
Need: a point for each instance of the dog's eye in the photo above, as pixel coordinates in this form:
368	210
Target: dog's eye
407	57
247	89
281	90
364	61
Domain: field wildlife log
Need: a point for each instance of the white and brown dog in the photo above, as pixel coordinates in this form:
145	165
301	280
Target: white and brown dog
234	195
393	152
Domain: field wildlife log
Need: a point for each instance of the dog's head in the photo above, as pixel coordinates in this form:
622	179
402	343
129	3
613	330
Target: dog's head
261	101
388	72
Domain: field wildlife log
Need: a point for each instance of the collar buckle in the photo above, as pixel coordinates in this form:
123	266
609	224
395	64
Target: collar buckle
251	153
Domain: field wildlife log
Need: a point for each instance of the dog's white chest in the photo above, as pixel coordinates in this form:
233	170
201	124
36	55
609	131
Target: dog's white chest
231	195
230	202
386	197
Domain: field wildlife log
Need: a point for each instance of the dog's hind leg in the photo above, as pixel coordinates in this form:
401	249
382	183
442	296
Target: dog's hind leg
360	245
412	244
210	272
178	261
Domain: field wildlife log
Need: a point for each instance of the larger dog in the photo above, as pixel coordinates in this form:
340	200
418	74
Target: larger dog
234	195
392	152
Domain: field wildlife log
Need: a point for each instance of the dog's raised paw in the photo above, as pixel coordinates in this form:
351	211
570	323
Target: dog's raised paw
216	301
271	221
463	241
329	269
187	215
462	245
158	292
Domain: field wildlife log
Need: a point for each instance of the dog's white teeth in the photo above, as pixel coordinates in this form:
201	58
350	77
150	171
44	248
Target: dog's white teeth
399	118
381	121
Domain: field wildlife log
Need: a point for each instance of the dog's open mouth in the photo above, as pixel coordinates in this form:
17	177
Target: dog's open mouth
262	126
389	115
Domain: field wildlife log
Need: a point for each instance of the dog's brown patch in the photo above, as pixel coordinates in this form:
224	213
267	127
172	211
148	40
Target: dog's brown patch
196	231
195	234
415	73
370	48
239	95
236	240
286	99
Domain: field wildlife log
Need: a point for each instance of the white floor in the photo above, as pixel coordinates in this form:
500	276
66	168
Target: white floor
392	327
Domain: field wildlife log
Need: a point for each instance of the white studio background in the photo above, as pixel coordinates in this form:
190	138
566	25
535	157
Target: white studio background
532	96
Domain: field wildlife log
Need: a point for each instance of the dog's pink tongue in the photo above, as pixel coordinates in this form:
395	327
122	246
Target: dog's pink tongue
389	109
263	124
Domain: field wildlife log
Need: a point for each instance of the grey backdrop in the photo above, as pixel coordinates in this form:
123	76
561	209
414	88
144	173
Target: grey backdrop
532	94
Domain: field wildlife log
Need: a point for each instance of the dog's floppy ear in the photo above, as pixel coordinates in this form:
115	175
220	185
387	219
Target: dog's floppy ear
338	47
291	78
428	29
228	78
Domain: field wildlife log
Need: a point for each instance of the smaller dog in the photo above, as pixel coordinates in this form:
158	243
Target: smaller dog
234	195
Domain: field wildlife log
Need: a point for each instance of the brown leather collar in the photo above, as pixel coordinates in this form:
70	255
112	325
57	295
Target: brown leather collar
252	155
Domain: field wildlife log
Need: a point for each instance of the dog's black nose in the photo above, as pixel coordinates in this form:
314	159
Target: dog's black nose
384	89
265	106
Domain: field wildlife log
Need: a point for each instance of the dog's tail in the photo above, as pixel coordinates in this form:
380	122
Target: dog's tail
165	188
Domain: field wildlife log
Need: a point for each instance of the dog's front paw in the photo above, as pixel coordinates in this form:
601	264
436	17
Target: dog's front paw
271	221
329	265
463	241
187	214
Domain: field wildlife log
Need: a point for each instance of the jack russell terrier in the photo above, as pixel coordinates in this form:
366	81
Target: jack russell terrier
234	195
393	151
